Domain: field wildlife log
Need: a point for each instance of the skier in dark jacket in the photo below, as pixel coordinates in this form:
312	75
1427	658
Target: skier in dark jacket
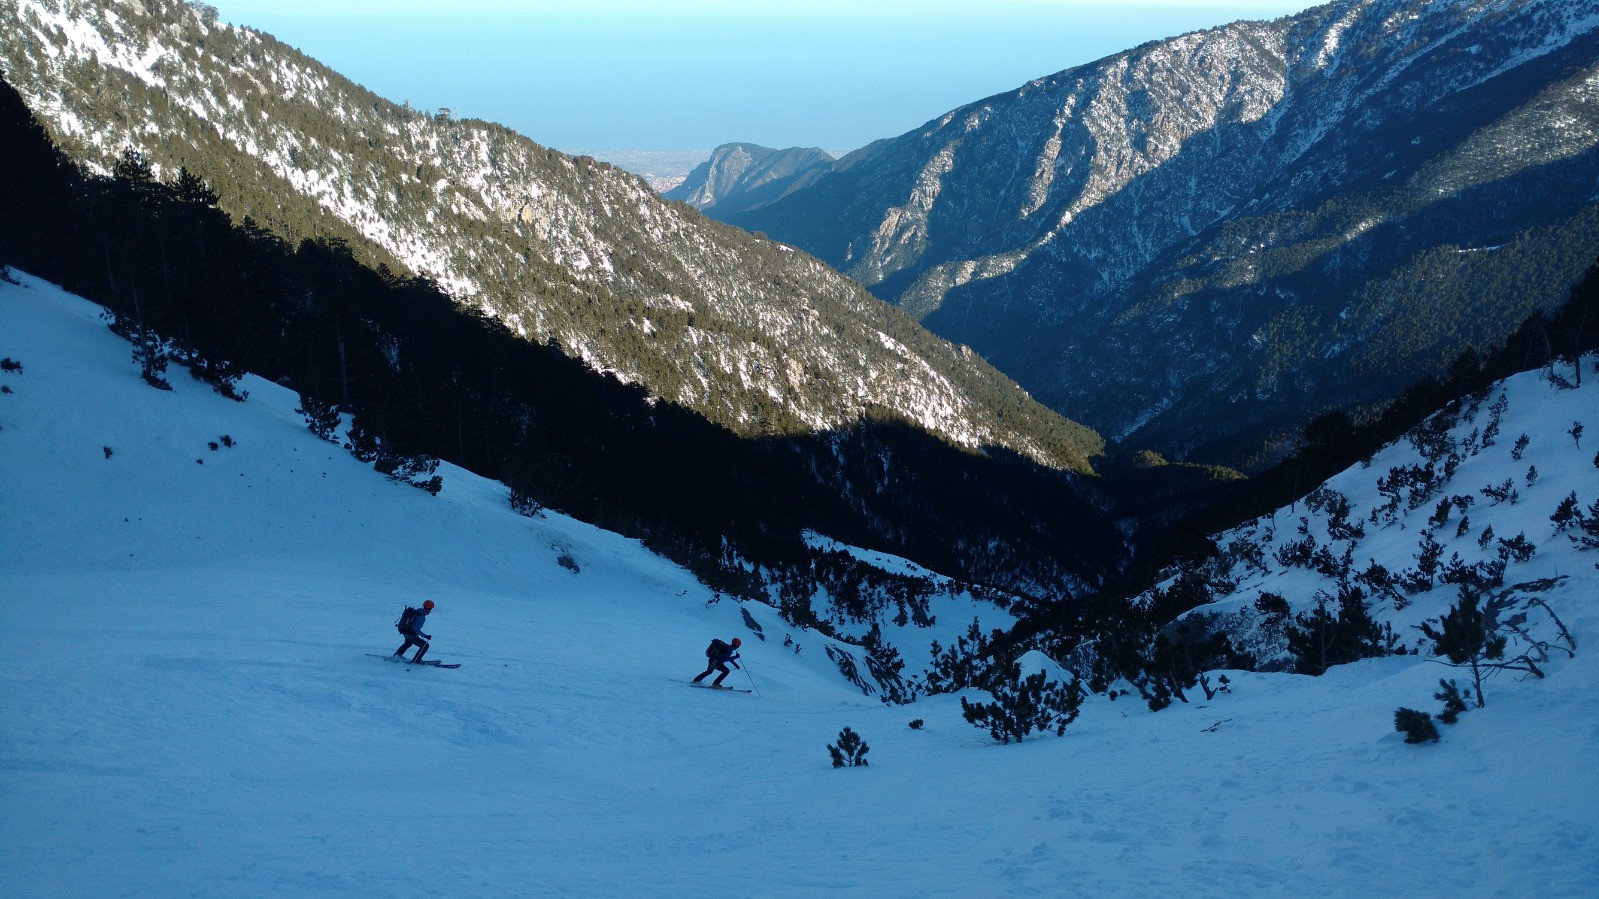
719	655
411	626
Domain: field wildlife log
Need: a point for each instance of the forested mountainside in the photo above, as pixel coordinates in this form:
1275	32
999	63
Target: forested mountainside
1201	243
741	176
1207	556
389	367
565	251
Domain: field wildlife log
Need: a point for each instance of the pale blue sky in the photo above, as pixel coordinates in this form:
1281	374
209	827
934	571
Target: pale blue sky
657	75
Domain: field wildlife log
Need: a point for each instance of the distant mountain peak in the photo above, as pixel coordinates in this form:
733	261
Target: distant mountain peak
739	176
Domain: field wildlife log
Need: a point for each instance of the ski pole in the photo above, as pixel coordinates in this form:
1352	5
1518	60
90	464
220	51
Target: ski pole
746	669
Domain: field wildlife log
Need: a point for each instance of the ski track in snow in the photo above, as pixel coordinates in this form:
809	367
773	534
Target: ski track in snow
190	710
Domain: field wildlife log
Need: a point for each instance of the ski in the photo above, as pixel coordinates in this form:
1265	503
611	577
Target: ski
720	689
434	663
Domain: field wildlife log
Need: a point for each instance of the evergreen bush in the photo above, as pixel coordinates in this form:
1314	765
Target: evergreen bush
321	417
1454	703
1318	639
1025	705
1466	637
850	750
1416	726
1274	606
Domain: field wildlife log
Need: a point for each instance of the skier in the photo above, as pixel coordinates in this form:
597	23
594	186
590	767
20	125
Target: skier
718	656
410	624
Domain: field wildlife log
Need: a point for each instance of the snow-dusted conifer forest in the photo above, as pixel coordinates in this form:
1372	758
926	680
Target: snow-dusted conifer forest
194	588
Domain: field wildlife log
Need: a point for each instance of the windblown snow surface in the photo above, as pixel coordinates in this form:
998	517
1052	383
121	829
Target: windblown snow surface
189	708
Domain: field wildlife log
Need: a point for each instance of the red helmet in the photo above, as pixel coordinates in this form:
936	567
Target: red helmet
735	643
428	605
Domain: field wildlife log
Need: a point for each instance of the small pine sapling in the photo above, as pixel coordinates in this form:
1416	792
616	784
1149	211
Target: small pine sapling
1517	548
1568	513
1383	582
1454	703
1495	413
1502	492
1440	514
961	665
1428	554
1416	726
850	750
107	451
917	724
322	418
151	357
1157	695
524	503
1520	447
1576	433
1532	475
1589	524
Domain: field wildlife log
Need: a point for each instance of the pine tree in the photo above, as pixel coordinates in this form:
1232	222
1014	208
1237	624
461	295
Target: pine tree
1454	704
1416	726
1567	513
1318	639
1465	636
1023	705
850	750
321	417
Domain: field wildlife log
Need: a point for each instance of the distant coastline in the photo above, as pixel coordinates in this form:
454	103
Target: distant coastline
661	169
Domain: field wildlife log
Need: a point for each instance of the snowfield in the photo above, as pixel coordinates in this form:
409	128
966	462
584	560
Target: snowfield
190	709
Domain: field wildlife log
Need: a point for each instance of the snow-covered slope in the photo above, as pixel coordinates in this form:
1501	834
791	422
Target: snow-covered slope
1476	488
190	709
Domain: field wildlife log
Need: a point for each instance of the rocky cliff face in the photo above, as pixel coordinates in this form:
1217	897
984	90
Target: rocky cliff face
1202	242
741	176
755	335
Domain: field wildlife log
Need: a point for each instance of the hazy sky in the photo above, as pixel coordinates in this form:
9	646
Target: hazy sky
650	74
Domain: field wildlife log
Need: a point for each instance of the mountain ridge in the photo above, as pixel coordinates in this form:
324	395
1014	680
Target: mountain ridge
756	336
741	176
1186	245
